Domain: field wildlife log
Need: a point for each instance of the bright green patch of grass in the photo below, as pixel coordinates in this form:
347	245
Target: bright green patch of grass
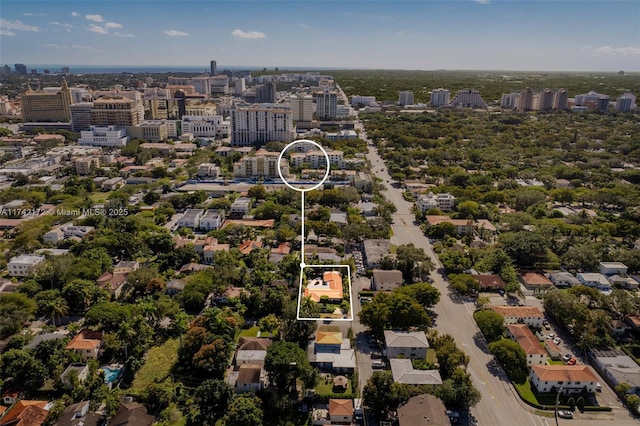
250	332
158	363
554	362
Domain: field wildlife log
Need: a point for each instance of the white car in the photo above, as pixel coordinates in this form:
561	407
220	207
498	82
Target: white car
567	357
557	340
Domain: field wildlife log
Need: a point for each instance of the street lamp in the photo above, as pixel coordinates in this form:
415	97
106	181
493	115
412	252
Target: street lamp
557	403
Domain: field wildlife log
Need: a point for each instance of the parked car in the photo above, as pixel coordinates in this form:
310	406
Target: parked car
547	327
567	357
551	335
572	361
376	355
557	340
501	292
598	387
377	365
565	414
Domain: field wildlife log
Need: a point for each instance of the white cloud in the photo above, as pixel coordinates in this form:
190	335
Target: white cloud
95	18
81	47
52	46
16	25
62	24
176	33
96	29
247	34
6	33
127	35
33	14
75	14
482	1
112	25
618	51
305	26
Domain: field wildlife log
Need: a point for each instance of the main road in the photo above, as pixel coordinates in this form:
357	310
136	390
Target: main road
500	405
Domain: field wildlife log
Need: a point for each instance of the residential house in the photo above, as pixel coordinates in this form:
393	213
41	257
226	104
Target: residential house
613	268
535	281
77	370
329	285
87	343
252	350
11	396
490	282
444	202
571	378
403	372
382	280
520	333
241	207
563	279
132	414
592	279
78	415
552	349
375	251
250	377
423	409
26	413
633	321
618	328
175	286
329	351
190	219
248	246
112	184
529	315
126	266
24	265
623	281
222	299
191	268
112	282
406	344
209	251
211	220
618	367
341	411
54	236
463	226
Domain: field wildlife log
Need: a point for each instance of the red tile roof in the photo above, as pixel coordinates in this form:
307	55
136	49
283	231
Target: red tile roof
26	413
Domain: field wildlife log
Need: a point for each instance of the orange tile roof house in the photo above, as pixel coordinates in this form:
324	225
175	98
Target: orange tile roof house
248	246
529	315
533	280
330	285
490	281
87	343
536	354
341	411
572	378
26	413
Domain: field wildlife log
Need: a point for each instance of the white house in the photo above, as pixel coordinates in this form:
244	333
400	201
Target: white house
24	265
444	202
572	378
211	220
536	354
53	237
403	372
613	268
241	206
594	279
190	218
618	367
405	344
563	279
251	377
386	280
81	371
529	315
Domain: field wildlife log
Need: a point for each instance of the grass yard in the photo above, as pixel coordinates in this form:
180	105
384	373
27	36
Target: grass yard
554	362
432	357
323	388
158	363
527	393
99	196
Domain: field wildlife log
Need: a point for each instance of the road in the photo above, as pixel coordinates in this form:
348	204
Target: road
499	405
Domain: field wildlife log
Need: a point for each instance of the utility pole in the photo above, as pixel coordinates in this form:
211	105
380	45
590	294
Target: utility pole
557	403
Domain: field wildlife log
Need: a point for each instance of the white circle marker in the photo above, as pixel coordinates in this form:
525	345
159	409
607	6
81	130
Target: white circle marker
326	175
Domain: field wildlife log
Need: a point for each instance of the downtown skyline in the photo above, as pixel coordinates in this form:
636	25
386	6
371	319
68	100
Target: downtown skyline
461	35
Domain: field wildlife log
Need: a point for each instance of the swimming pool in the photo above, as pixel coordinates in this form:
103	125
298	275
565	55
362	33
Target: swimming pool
111	374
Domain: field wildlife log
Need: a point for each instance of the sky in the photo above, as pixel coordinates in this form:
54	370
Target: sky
426	35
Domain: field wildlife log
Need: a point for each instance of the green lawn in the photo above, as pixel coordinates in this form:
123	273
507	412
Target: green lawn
323	388
99	196
432	357
527	393
554	362
158	363
250	332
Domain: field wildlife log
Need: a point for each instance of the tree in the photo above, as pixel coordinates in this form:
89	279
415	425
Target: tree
258	192
512	357
455	262
158	395
212	358
211	400
269	324
79	294
382	395
15	309
51	304
151	197
244	410
424	293
407	255
524	247
108	315
490	323
463	283
286	362
458	390
27	371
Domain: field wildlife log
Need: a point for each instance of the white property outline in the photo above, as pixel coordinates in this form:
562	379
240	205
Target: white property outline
302	262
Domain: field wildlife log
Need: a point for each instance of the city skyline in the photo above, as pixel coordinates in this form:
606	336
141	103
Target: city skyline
518	36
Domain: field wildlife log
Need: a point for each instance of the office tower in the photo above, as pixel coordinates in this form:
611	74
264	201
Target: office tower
509	100
261	123
525	101
405	98
65	70
602	103
21	69
301	107
6	70
546	100
81	116
469	98
213	68
326	104
560	100
50	105
116	111
440	97
241	86
626	103
266	93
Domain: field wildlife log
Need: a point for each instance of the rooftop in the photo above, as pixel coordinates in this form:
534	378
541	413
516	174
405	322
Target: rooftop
526	339
329	335
564	373
518	311
403	372
86	339
341	407
405	339
421	410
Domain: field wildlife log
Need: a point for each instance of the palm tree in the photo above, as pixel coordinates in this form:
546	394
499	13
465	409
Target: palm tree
56	308
126	333
180	324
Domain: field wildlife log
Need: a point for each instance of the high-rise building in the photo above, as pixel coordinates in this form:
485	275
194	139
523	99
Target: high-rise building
116	111
49	105
560	100
440	97
107	136
602	103
6	70
327	104
468	98
21	69
509	100
405	98
213	67
266	93
261	123
65	70
241	86
546	100
262	164
525	101
81	116
626	102
301	107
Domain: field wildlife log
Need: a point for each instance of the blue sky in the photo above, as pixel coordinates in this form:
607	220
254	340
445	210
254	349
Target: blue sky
454	34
